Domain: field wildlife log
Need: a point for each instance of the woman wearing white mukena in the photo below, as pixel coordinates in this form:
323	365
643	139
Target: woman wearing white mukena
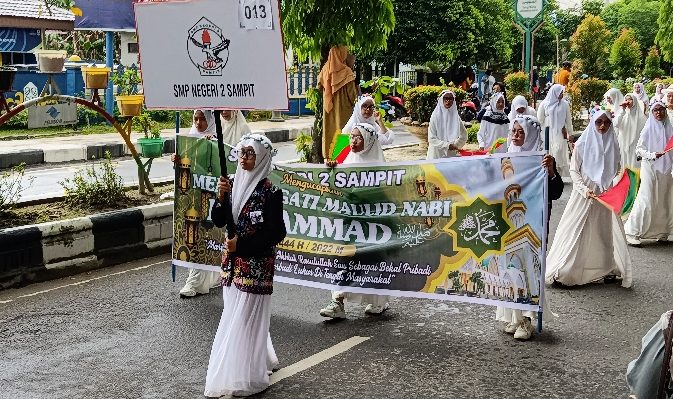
554	112
365	111
590	244
652	214
365	148
446	132
630	122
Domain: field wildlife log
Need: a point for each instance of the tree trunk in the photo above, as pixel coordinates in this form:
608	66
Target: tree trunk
316	148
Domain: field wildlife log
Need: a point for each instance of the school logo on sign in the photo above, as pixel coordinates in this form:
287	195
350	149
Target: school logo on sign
207	48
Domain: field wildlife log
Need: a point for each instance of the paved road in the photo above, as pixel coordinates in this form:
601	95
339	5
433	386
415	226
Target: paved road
122	332
45	183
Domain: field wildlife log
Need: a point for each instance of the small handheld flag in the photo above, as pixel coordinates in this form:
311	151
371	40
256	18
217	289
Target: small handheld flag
620	198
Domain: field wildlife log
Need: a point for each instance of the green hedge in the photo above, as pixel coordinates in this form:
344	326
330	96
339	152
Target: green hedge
421	100
516	84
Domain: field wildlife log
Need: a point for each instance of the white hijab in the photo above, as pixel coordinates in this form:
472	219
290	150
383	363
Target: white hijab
658	95
655	136
643	95
372	151
210	120
600	153
445	122
615	96
634	118
235	128
531	127
245	181
520	102
357	117
554	108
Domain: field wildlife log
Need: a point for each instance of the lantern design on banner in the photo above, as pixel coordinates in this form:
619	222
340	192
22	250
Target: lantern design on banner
184	174
206	196
421	188
191	227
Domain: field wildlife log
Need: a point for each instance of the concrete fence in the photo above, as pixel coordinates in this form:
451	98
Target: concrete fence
50	250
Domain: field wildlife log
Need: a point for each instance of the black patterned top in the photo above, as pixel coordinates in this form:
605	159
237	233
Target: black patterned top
260	228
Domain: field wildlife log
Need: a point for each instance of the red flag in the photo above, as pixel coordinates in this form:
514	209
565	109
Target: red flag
669	145
621	196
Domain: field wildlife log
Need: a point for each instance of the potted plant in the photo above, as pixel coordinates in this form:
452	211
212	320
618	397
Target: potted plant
129	103
152	145
95	78
7	75
51	61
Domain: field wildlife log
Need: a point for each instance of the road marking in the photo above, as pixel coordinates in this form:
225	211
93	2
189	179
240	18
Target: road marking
85	281
316	359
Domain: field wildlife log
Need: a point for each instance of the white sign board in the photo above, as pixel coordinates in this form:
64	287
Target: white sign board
199	54
40	116
529	8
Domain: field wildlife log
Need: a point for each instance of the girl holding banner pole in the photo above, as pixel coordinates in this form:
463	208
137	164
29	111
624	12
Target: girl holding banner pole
242	356
234	127
652	214
200	281
365	148
590	244
525	136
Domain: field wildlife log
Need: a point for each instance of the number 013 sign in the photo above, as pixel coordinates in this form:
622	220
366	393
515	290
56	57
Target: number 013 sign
255	14
199	54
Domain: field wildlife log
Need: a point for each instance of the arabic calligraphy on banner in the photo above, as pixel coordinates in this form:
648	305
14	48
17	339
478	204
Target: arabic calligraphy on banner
464	229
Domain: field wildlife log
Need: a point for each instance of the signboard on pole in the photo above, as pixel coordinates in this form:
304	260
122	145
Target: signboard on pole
529	9
49	115
202	54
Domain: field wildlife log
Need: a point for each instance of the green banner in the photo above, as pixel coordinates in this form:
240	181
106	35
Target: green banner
464	229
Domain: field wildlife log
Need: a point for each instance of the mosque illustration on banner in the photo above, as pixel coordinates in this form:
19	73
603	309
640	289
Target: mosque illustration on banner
512	276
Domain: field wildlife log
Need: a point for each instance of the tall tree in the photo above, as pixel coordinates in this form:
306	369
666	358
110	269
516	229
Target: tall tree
591	44
312	27
652	64
665	33
625	55
449	32
610	15
641	18
592	7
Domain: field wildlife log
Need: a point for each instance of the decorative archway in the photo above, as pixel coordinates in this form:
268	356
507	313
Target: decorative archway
124	131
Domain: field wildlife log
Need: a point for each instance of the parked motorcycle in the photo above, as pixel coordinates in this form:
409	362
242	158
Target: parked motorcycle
389	109
397	103
470	107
